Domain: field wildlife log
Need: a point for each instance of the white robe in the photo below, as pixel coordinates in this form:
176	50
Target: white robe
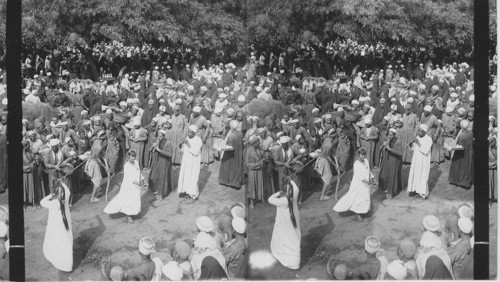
58	242
285	242
128	200
190	168
357	199
420	166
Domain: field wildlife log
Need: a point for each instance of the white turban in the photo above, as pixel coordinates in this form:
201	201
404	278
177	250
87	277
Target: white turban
464	224
372	244
196	109
205	241
241	98
239	225
284	139
393	130
397	270
172	271
109	111
430	240
428	108
193	128
54	142
3	229
4	101
464	124
146	246
471	98
424	127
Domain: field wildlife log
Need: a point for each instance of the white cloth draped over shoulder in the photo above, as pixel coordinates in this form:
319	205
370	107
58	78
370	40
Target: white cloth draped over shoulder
128	200
58	242
357	199
420	166
285	242
190	167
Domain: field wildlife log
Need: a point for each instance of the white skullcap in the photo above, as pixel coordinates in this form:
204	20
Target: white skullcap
241	98
428	108
410	100
435	87
340	109
239	225
162	132
297	137
172	271
431	223
162	108
218	110
190	87
454	95
203	88
122	103
109	111
294	121
393	130
146	246
162	100
464	224
397	270
196	109
4	101
54	142
151	102
382	100
178	101
3	229
471	98
368	120
222	95
193	128
315	110
355	102
449	109
66	140
204	223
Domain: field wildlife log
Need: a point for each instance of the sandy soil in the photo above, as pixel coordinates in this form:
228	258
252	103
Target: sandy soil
98	236
326	234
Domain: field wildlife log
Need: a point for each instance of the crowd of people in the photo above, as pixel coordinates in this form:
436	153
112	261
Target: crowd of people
165	111
443	253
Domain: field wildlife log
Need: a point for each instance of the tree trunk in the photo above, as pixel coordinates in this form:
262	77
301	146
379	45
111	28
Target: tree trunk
94	72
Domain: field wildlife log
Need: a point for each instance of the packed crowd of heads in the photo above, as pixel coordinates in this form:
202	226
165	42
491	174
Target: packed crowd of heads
443	252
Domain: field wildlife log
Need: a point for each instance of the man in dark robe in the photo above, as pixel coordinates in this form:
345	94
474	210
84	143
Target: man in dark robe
390	171
381	111
231	168
462	160
149	113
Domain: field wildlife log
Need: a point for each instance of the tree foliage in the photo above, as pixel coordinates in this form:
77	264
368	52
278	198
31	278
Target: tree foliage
197	24
425	23
228	24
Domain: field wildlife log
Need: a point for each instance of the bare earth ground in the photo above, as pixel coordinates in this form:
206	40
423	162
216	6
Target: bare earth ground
327	234
98	236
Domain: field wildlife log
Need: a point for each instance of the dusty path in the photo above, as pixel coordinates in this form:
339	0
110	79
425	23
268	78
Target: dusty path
100	236
326	234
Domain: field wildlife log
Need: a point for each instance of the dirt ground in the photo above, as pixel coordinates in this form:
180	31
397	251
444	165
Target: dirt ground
326	234
98	236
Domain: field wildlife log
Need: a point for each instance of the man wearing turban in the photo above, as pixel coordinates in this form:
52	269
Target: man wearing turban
462	162
420	163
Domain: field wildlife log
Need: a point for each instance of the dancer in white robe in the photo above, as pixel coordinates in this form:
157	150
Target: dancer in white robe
58	242
420	163
357	199
285	242
190	165
128	200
